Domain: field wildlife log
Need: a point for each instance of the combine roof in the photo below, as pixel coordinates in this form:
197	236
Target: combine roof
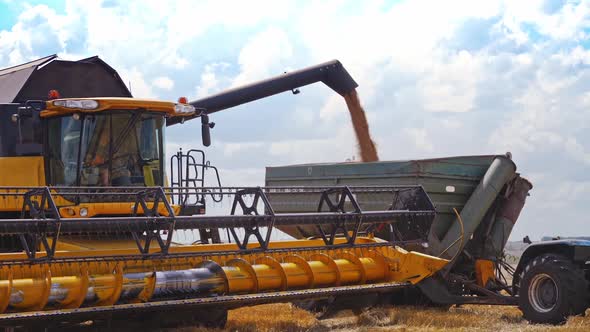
90	77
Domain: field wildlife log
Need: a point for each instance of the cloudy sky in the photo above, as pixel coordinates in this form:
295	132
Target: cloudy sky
437	78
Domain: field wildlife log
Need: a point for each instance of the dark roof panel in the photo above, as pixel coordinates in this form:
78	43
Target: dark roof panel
90	77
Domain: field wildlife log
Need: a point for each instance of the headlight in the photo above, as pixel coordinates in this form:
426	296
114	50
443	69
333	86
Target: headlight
83	212
184	109
83	104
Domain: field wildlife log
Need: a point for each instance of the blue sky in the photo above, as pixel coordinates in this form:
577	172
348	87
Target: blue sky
11	9
436	78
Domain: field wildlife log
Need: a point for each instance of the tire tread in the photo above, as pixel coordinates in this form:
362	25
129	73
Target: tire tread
572	284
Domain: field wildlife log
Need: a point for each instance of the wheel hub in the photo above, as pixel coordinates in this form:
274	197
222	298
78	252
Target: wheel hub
543	293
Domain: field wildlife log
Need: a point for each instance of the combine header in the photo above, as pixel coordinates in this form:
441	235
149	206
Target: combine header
90	229
97	264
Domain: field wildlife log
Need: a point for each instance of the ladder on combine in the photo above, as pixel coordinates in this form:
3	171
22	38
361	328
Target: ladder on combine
187	178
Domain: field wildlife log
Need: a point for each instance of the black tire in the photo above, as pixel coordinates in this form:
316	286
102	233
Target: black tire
551	288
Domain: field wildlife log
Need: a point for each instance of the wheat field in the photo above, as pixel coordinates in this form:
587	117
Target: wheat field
286	317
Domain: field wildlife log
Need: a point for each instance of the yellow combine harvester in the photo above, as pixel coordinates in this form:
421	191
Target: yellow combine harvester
88	222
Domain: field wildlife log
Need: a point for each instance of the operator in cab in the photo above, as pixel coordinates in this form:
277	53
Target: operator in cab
114	151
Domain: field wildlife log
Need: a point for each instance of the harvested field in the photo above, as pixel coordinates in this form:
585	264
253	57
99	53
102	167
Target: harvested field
285	317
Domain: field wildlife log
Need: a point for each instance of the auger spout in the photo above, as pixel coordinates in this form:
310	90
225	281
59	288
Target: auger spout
331	73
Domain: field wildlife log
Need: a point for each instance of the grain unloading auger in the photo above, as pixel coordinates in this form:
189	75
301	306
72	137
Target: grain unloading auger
89	228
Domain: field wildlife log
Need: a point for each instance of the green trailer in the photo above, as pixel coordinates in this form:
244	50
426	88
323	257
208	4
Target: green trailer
470	184
478	199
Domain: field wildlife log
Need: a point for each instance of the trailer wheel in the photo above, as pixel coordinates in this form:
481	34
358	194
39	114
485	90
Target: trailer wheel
551	289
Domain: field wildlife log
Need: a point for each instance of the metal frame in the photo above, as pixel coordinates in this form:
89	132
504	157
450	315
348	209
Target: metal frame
147	223
341	225
122	311
180	174
38	203
153	231
252	209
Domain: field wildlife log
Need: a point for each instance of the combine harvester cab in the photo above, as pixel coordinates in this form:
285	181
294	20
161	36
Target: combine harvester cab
88	223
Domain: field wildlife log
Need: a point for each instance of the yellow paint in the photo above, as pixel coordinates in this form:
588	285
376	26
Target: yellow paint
31	285
19	172
66	285
484	271
110	208
105	104
5	287
148	173
22	171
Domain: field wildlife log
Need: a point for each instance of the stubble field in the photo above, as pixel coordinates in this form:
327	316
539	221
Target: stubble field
286	317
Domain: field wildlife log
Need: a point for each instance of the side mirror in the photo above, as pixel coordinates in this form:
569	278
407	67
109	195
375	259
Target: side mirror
206	129
29	133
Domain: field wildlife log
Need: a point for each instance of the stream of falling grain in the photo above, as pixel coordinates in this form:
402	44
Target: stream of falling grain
367	147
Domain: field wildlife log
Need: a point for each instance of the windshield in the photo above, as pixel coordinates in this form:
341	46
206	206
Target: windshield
122	148
64	145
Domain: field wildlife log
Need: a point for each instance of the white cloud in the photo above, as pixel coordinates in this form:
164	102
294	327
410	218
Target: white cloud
304	117
577	151
419	138
333	107
230	148
38	31
452	86
211	80
137	84
336	147
262	55
163	82
574	57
